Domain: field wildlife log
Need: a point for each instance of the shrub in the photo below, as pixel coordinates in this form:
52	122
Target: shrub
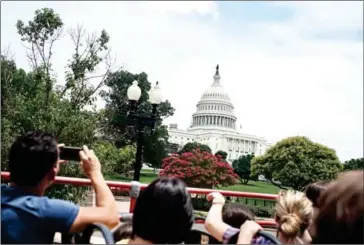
199	169
262	212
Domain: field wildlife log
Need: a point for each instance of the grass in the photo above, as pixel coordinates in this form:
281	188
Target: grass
148	176
254	186
148	171
145	177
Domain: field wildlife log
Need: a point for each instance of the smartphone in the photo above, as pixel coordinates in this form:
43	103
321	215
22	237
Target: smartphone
70	153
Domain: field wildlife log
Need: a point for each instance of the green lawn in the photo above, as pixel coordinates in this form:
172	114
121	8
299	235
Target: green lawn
145	177
253	186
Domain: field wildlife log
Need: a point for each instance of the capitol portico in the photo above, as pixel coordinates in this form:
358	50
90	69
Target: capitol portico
214	124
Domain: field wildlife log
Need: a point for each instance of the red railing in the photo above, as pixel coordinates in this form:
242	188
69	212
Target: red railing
123	185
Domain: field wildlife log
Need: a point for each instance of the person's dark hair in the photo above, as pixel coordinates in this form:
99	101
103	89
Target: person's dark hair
163	212
31	157
124	231
314	190
235	214
341	211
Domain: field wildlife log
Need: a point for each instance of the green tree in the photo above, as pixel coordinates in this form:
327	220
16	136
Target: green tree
34	101
115	124
40	34
154	152
190	146
297	162
114	160
241	167
222	154
354	164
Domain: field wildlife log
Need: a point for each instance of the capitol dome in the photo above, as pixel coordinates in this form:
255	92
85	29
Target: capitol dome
214	110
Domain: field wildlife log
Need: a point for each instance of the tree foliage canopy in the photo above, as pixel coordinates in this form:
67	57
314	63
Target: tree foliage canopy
241	167
115	161
190	146
222	154
297	162
35	100
354	164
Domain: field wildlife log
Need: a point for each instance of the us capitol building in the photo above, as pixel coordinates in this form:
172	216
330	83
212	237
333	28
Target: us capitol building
214	124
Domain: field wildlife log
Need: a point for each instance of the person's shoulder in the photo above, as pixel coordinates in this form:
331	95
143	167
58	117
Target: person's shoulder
12	195
53	203
60	214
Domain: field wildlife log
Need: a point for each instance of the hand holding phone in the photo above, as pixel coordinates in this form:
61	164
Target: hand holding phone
70	153
90	163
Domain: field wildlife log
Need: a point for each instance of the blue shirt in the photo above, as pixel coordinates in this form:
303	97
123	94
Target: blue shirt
27	218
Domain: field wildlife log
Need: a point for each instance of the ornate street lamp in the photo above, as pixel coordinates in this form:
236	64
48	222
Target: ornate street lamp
139	122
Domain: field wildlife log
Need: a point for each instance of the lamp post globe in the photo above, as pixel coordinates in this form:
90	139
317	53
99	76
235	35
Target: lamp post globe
155	96
134	92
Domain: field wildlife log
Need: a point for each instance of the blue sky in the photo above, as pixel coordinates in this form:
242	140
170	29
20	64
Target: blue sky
291	68
253	11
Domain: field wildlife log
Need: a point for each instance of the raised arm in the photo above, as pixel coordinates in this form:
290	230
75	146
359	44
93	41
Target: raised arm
106	210
214	223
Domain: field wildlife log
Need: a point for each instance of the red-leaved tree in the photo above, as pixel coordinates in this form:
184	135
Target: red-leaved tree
199	169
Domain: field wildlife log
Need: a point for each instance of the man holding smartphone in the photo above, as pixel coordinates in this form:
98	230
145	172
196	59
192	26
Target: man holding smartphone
27	216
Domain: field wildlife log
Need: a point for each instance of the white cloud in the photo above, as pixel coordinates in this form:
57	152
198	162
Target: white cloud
281	80
326	15
184	7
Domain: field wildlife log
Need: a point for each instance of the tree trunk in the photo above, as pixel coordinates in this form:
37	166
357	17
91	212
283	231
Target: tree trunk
244	181
278	185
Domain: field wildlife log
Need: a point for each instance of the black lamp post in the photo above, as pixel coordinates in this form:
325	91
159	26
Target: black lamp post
139	122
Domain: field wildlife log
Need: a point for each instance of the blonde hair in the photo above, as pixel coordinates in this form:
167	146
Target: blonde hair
294	213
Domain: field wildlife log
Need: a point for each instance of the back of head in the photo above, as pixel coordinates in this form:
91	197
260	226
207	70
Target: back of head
31	157
235	214
163	212
293	214
314	190
341	211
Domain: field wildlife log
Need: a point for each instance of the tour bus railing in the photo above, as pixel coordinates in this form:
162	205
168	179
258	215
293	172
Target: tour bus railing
122	185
